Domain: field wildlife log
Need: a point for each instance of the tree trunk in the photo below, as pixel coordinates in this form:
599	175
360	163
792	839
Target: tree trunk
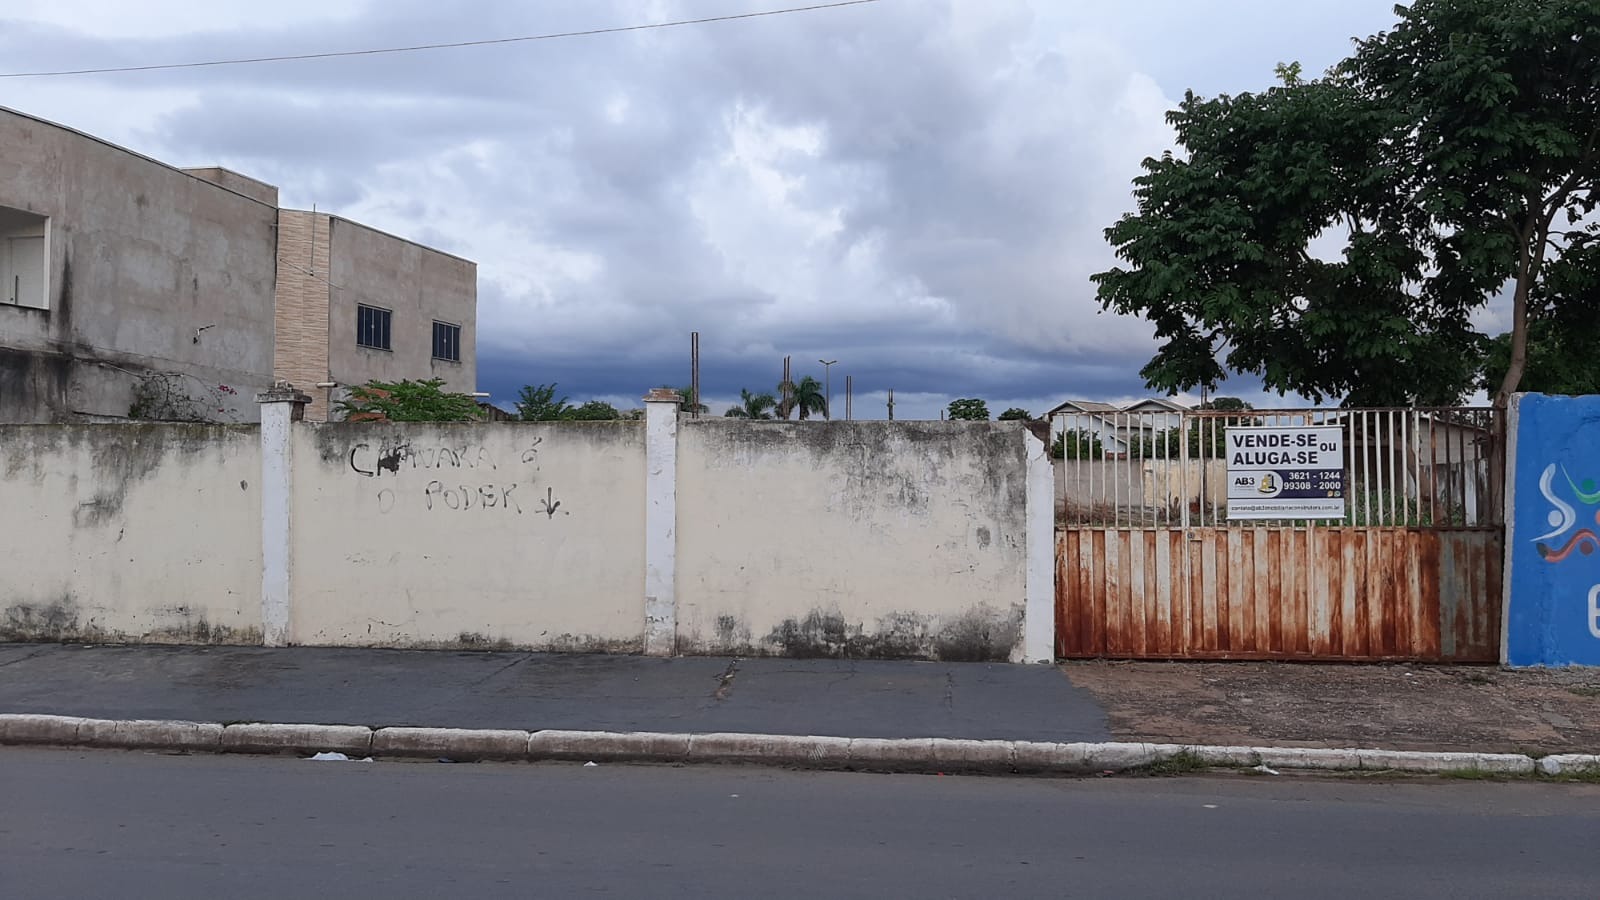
1519	340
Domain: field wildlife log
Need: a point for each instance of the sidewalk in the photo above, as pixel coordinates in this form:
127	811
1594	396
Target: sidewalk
1466	709
535	691
1392	707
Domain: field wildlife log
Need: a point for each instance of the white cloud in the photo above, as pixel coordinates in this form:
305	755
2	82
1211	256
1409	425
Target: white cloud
916	188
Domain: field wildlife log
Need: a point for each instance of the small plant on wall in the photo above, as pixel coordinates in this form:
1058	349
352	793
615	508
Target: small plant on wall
408	401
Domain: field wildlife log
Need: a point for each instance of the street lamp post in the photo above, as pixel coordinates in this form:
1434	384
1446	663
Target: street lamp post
827	387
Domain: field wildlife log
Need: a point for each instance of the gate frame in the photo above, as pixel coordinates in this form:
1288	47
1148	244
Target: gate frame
1447	605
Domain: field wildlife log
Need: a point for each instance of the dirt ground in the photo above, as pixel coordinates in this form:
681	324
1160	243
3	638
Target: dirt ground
1397	707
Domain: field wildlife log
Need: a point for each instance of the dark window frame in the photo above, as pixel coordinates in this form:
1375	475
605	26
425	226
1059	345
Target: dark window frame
374	332
451	344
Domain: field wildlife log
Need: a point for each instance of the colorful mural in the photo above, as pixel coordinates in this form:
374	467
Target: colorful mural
1553	612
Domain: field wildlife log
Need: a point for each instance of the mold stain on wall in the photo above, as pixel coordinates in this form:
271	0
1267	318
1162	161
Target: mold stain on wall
981	634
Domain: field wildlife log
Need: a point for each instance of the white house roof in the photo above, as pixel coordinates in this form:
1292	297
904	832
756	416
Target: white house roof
1087	406
1095	406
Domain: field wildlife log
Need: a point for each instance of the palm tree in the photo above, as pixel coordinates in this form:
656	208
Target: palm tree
752	406
806	396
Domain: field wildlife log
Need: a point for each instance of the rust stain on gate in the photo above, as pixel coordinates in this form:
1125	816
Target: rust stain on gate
1152	566
1275	593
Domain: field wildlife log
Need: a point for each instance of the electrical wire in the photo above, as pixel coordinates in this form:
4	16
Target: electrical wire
443	46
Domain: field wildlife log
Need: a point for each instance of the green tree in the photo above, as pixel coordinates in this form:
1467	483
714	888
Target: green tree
1077	443
538	403
408	401
1456	154
805	396
592	411
689	404
1016	414
1561	355
1226	404
968	409
752	406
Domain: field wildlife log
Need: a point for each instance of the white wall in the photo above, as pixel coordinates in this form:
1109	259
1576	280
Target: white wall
513	534
863	539
130	533
854	538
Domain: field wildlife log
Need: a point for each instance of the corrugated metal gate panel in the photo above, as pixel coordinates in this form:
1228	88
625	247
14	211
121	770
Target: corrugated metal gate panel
1358	593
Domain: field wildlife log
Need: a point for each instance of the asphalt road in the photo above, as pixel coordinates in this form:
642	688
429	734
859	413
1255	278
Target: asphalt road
101	824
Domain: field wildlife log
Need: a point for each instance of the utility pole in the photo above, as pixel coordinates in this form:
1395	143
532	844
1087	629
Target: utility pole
849	389
827	388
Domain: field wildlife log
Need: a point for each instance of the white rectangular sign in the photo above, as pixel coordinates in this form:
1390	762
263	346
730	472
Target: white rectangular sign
1286	472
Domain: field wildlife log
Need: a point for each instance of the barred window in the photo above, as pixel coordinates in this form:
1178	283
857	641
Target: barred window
447	341
372	327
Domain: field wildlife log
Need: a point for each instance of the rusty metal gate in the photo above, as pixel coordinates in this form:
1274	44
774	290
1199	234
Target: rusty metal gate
1150	566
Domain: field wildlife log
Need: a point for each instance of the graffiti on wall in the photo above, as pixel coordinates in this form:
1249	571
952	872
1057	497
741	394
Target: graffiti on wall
450	482
1554	604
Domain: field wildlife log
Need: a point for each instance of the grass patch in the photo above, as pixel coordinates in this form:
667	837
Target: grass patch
1585	690
1478	678
1184	762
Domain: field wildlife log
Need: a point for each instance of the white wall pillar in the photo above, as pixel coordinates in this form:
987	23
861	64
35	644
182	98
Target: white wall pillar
1039	610
661	521
279	407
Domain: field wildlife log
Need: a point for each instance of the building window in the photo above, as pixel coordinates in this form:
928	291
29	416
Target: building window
372	327
23	259
447	341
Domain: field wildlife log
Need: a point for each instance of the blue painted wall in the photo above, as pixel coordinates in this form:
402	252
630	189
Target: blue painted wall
1553	616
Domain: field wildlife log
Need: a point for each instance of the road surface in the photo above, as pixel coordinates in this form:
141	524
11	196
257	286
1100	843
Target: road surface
102	823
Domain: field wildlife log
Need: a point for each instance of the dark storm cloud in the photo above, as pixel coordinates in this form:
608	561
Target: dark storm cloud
915	188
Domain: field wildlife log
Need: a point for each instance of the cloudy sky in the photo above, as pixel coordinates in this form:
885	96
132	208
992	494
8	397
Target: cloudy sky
916	188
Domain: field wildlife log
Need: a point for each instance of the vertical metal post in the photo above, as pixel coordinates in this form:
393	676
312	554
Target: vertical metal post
694	374
891	404
786	389
848	390
1183	470
827	387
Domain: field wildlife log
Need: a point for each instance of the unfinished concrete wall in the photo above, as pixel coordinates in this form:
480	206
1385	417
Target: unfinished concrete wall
158	286
419	286
516	534
868	539
131	533
253	188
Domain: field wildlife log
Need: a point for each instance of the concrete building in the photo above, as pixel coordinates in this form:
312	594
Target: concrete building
136	290
357	305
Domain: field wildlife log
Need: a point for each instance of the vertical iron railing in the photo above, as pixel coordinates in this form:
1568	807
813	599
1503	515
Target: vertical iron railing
1411	467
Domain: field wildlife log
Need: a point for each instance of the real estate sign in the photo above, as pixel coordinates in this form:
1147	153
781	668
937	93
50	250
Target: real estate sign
1286	472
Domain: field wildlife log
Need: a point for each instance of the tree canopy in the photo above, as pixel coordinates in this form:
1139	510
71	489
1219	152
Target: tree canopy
1015	414
752	406
968	409
690	404
592	411
804	396
408	401
538	403
1334	237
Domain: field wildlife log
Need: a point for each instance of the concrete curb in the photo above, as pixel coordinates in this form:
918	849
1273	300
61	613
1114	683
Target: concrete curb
803	751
